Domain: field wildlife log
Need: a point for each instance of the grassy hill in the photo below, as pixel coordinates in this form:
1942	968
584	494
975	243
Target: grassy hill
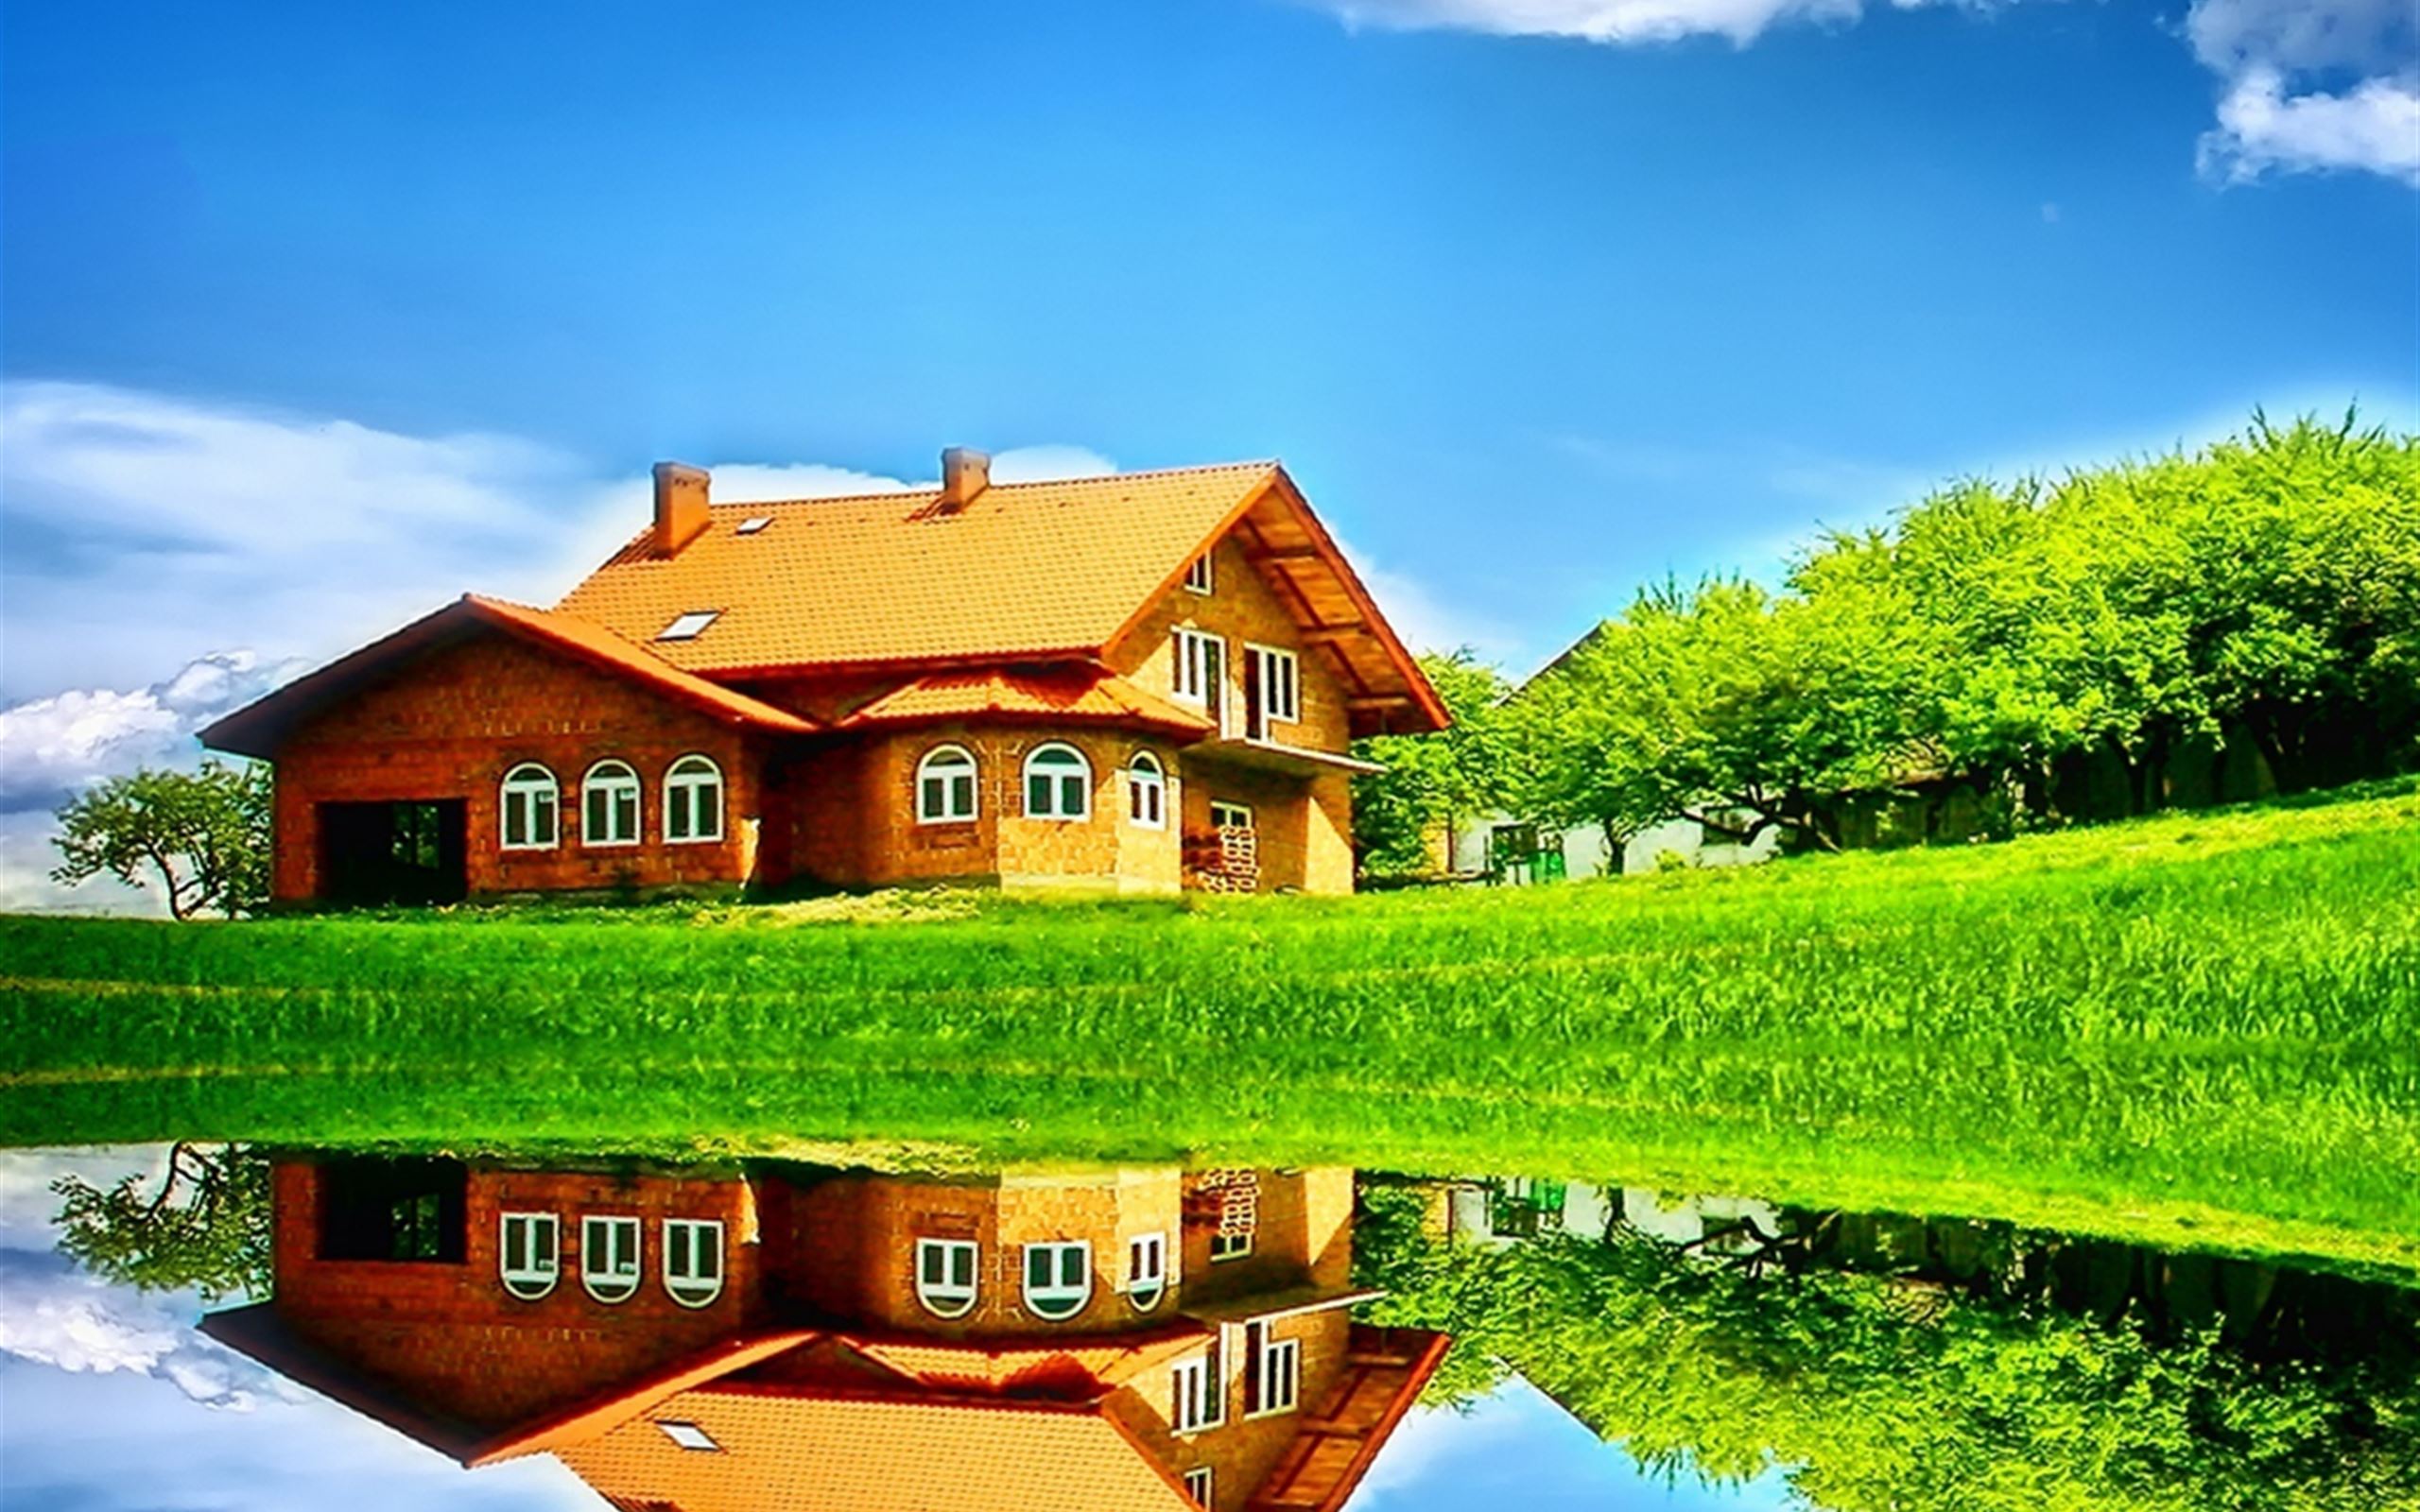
2199	1027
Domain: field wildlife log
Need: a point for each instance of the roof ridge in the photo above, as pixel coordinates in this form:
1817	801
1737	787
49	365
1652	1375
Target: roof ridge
934	491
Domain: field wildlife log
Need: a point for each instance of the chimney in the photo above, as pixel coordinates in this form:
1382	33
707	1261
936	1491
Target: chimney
965	473
679	506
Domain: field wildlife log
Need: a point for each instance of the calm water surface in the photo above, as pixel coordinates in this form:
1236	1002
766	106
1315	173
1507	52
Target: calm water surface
614	1331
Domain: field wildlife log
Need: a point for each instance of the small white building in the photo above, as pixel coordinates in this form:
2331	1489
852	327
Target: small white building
1588	854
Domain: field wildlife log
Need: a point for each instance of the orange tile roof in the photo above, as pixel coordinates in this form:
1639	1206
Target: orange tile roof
787	1452
1076	691
1023	569
260	727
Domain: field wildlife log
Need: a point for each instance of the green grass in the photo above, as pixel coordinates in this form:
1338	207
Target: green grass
2203	1027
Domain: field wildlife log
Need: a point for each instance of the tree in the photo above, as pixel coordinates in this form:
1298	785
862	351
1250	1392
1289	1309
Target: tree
201	837
1472	767
206	1228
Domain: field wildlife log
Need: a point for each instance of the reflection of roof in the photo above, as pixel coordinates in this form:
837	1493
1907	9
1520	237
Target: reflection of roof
787	1452
1336	1444
1080	693
259	728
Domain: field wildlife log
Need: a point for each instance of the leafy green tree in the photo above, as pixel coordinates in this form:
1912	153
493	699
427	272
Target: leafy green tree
201	837
1472	767
205	1228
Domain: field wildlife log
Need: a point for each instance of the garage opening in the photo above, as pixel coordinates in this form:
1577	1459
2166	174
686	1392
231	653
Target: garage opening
406	852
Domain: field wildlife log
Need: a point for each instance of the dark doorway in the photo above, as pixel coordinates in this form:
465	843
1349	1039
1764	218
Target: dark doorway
406	852
400	1209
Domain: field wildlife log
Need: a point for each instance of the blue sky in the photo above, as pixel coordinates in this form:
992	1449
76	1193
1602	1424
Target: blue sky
115	1403
316	316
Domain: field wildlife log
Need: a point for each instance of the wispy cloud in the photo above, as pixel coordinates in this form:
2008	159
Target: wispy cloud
2306	85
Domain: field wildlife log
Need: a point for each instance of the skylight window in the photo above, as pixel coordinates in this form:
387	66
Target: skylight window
689	1435
690	626
754	524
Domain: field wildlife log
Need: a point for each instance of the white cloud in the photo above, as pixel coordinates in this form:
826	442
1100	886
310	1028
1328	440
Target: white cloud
52	1315
52	746
1420	619
2306	85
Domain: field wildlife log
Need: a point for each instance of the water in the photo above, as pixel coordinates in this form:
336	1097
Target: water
765	1334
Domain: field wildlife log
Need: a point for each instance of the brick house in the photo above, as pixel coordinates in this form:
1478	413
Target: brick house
782	1336
1138	682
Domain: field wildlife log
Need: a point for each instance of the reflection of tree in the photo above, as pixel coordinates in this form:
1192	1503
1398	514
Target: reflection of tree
1885	1391
206	1228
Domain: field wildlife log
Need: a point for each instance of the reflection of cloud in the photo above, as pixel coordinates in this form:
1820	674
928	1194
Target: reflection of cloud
53	1314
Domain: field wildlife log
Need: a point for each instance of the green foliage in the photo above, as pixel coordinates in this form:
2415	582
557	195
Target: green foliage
205	1230
1431	782
2122	1029
201	837
2262	594
1876	1399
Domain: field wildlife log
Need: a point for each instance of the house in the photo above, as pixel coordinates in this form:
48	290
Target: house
1139	682
775	1337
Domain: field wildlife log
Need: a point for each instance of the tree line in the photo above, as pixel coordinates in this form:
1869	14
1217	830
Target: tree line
2201	626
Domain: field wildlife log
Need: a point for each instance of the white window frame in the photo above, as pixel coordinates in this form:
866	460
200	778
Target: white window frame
623	778
689	1435
598	1277
1273	658
948	1299
1197	1395
1056	774
948	812
1230	806
1199	575
1057	1301
543	1249
689	625
1189	679
674	1285
1147	1270
1226	1246
1278	1363
1146	792
754	524
531	790
680	785
1199	1485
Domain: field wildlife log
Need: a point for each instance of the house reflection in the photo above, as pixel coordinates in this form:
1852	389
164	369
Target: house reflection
778	1335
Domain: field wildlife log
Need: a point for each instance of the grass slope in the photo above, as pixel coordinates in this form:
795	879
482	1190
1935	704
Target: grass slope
2196	1028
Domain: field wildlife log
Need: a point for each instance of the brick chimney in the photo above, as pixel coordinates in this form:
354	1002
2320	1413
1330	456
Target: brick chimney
679	506
965	473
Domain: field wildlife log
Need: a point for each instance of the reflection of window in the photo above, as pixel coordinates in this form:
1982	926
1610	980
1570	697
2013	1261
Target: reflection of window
945	1276
1273	1371
1198	1401
608	1258
609	805
693	801
689	1435
1058	783
1147	1269
529	814
945	786
693	1260
1230	1246
400	1209
530	1253
1058	1280
1197	1484
1146	792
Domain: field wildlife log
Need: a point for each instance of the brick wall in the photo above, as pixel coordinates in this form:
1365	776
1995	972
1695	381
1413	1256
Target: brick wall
1243	609
1303	1233
453	723
451	1338
1242	1451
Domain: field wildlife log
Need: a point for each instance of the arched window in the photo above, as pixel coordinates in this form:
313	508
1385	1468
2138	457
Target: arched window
692	801
945	786
532	819
609	1257
693	1260
945	1276
1058	783
529	1254
609	805
1147	1270
1146	792
1058	1280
